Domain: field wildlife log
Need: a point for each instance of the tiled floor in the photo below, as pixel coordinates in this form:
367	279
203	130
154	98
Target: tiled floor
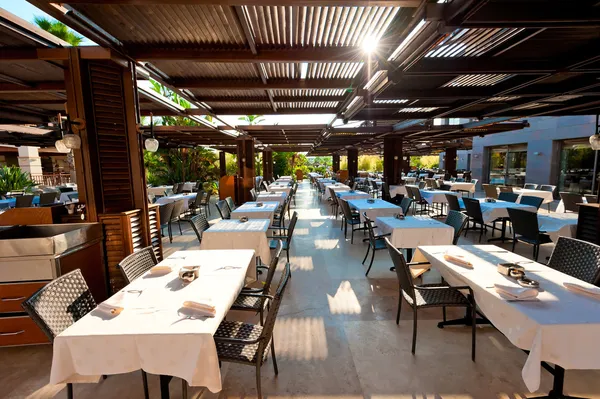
336	337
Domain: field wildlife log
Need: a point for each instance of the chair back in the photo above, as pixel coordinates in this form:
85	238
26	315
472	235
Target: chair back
165	211
531	200
421	185
198	199
402	270
206	198
265	185
199	225
345	209
267	332
272	267
508	197
180	188
577	258
223	209
458	221
405	205
530	186
175	188
230	204
524	223
24	201
290	230
48	198
474	181
253	194
385	190
430	183
417	194
505	189
473	208
591	198
178	209
369	224
60	303
354	185
490	191
547	187
447	176
374	185
409	192
138	263
570	201
453	204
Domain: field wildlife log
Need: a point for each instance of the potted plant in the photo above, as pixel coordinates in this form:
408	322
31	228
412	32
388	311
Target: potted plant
12	178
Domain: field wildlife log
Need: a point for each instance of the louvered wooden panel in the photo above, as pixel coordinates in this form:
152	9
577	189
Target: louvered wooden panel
154	227
137	235
110	124
588	223
115	248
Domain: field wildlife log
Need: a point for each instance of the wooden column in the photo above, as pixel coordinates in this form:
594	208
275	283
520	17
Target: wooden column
450	161
222	164
392	159
406	164
267	164
245	159
335	163
352	163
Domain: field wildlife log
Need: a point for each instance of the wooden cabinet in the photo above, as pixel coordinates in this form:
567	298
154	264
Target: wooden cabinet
13	294
20	330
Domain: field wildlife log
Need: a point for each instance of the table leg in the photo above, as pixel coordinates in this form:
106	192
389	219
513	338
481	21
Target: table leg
464	321
502	237
164	386
557	385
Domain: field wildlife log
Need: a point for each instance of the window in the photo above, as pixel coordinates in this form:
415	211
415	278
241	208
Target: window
577	164
508	165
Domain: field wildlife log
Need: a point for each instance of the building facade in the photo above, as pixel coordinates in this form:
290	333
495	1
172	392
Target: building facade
553	150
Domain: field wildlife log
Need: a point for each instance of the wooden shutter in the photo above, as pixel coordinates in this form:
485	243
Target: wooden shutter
154	229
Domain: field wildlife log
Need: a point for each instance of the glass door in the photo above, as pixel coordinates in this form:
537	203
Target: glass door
508	165
577	164
497	165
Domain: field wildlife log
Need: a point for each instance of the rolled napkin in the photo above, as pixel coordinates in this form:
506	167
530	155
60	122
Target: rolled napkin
161	269
458	259
113	306
593	292
514	293
203	308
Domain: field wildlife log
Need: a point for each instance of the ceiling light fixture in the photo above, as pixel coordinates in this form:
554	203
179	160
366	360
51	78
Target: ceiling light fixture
595	142
151	144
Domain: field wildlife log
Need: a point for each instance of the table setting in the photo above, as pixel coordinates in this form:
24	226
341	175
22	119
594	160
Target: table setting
256	210
374	208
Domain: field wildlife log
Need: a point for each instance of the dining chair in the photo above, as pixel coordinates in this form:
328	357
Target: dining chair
570	201
385	192
350	218
223	209
429	296
577	258
490	191
175	188
279	216
508	196
505	189
376	242
287	238
197	204
24	201
405	205
374	189
249	344
249	299
421	185
453	204
206	202
526	229
48	198
419	200
335	204
293	192
253	194
180	188
473	208
138	263
175	217
530	186
165	211
457	220
230	204
60	304
198	223
531	200
265	186
591	198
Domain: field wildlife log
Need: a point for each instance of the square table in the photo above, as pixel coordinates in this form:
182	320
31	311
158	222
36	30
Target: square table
436	196
414	231
558	224
333	188
547	196
348	195
272	196
461	186
233	234
151	333
252	211
400	189
374	210
497	210
280	188
560	327
172	198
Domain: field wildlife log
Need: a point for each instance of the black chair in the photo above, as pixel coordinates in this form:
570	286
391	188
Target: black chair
577	258
223	210
175	188
525	229
253	194
508	196
279	216
198	223
48	198
530	186
419	200
248	300
591	199
293	193
490	190
473	208
176	217
24	201
180	188
286	239
405	205
165	211
453	204
205	203
531	200
385	192
458	221
350	218
265	186
570	201
374	189
376	242
230	204
429	296
249	344
60	304
138	263
197	204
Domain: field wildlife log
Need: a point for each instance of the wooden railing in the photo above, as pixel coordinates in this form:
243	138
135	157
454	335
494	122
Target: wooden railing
52	179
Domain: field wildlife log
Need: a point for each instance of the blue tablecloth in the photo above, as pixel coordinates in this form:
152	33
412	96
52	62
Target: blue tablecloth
10	203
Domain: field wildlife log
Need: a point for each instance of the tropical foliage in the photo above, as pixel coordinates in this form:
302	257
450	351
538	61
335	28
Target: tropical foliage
12	178
59	30
252	119
425	162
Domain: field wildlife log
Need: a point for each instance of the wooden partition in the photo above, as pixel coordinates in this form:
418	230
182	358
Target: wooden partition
34	215
227	188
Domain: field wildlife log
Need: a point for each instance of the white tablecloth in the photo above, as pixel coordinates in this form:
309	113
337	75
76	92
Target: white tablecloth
189	186
545	195
280	188
414	231
376	209
462	186
409	179
233	234
64	197
348	195
152	333
284	178
270	197
494	210
558	224
333	188
172	198
159	190
436	196
561	327
395	190
249	209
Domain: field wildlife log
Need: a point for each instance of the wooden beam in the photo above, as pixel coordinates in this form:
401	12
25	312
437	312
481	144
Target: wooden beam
33	53
34	102
278	128
308	3
35	87
280	111
229	84
264	99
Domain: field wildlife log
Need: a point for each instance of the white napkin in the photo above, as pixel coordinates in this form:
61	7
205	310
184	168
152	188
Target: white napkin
114	305
459	260
204	308
163	269
514	293
593	292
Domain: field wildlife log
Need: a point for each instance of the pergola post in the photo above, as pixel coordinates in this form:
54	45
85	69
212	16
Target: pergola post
335	163
267	164
352	163
246	175
222	164
392	159
450	161
406	164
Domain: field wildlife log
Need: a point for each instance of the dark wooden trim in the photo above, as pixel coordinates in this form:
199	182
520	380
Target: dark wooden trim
35	87
308	3
241	84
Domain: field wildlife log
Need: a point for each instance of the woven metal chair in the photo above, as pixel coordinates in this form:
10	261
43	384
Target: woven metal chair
180	188
405	205
176	217
253	194
279	216
60	304
525	229
138	263
198	223
453	204
48	198
385	192
265	186
206	202
249	344
421	185
577	258
570	201
223	210
376	242
293	193
24	201
508	196
473	208
419	200
175	188
531	200
165	211
490	191
429	296
247	300
350	218
530	186
458	221
197	204
230	204
285	239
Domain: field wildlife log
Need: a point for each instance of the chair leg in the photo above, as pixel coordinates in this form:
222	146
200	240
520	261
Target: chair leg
536	251
352	236
261	316
179	225
367	254
258	388
276	369
372	257
444	313
514	243
145	383
69	391
473	330
170	233
414	341
287	253
399	307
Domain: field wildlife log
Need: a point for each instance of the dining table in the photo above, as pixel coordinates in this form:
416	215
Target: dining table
332	188
256	210
398	190
558	224
461	186
154	332
159	190
352	194
547	196
279	187
187	198
278	196
558	326
374	208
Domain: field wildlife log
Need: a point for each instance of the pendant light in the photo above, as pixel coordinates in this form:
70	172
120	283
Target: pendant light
151	144
595	142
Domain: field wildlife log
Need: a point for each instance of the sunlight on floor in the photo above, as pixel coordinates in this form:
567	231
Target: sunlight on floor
301	231
316	224
326	244
344	301
301	338
304	263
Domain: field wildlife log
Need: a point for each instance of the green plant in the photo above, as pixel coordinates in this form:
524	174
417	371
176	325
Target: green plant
252	119
12	178
59	30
